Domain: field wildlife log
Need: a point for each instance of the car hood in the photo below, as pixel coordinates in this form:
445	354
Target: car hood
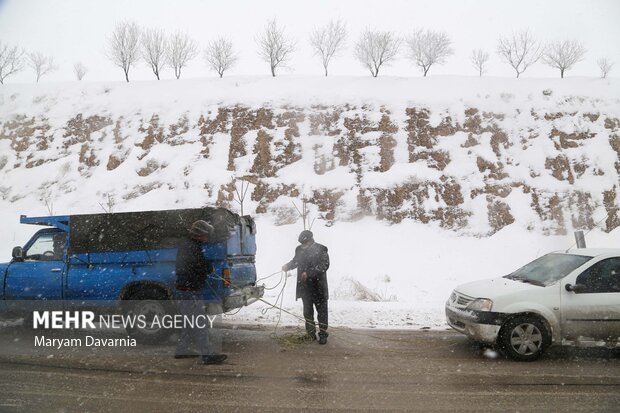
494	287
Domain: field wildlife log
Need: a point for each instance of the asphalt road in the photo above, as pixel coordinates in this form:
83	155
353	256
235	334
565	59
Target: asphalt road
357	370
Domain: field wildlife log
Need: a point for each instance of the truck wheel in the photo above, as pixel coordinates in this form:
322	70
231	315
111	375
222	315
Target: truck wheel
147	304
524	338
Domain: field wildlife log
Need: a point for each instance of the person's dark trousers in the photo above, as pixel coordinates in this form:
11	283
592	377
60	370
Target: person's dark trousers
311	301
191	305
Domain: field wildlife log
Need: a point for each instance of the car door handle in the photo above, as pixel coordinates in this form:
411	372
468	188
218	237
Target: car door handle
56	269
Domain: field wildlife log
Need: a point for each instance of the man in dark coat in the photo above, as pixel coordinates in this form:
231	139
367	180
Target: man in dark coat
192	269
312	261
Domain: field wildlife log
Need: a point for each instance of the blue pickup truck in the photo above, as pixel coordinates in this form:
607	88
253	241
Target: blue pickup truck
104	260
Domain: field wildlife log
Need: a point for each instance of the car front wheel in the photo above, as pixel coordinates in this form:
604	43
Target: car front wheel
524	338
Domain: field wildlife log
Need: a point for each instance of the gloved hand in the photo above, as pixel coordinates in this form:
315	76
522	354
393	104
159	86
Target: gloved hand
285	267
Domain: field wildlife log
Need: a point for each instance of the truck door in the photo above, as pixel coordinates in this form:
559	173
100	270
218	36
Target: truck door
594	311
39	276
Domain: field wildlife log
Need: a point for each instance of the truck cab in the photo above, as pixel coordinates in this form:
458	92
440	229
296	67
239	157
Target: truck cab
36	271
103	261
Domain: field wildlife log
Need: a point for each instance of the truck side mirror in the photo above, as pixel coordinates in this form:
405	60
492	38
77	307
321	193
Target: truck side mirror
18	254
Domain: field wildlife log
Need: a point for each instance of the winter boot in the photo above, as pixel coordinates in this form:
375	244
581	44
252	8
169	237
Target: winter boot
214	359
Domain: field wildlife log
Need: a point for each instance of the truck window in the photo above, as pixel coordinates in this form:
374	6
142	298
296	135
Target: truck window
47	247
602	277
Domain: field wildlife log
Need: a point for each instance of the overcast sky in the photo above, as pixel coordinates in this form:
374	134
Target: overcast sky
76	30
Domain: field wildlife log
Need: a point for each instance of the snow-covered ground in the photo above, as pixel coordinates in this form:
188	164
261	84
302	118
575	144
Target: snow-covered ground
174	97
413	268
408	269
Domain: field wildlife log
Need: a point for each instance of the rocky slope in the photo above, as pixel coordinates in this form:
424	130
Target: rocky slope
545	160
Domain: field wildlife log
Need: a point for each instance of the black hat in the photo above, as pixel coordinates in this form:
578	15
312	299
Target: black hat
305	236
201	228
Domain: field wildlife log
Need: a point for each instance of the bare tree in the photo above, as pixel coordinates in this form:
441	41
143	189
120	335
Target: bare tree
274	47
479	59
11	60
328	41
80	70
520	51
220	55
605	65
48	199
427	48
41	64
153	49
563	55
241	190
123	46
181	50
108	204
304	213
376	48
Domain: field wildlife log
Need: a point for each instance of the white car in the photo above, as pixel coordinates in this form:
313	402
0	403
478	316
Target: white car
562	298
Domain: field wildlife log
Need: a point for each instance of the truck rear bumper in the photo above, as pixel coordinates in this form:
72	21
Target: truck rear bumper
244	296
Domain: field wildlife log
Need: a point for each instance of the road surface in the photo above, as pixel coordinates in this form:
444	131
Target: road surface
357	370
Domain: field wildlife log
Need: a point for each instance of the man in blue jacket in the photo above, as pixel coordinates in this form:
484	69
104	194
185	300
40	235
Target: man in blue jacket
192	269
312	261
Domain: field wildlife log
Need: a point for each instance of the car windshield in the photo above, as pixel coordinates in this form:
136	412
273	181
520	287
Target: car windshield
548	269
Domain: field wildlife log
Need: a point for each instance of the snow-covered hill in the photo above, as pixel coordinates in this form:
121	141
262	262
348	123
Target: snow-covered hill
416	184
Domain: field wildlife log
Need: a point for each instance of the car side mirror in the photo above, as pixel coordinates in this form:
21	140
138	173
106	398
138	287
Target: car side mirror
577	288
18	254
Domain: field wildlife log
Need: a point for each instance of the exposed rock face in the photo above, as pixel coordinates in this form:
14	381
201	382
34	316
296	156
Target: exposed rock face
451	169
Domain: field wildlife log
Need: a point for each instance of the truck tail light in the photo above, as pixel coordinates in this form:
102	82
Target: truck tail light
226	277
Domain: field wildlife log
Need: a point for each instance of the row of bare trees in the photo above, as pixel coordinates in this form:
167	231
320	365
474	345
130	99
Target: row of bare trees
13	59
521	50
426	48
129	44
373	49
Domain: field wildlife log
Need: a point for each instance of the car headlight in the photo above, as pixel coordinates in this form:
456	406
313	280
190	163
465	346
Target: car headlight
481	304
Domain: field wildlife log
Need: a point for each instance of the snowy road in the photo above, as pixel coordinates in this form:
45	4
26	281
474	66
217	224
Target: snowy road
357	370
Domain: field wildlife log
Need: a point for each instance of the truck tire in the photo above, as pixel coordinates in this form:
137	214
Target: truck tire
524	338
148	302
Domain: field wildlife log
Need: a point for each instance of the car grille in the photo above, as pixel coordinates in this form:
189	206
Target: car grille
460	300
